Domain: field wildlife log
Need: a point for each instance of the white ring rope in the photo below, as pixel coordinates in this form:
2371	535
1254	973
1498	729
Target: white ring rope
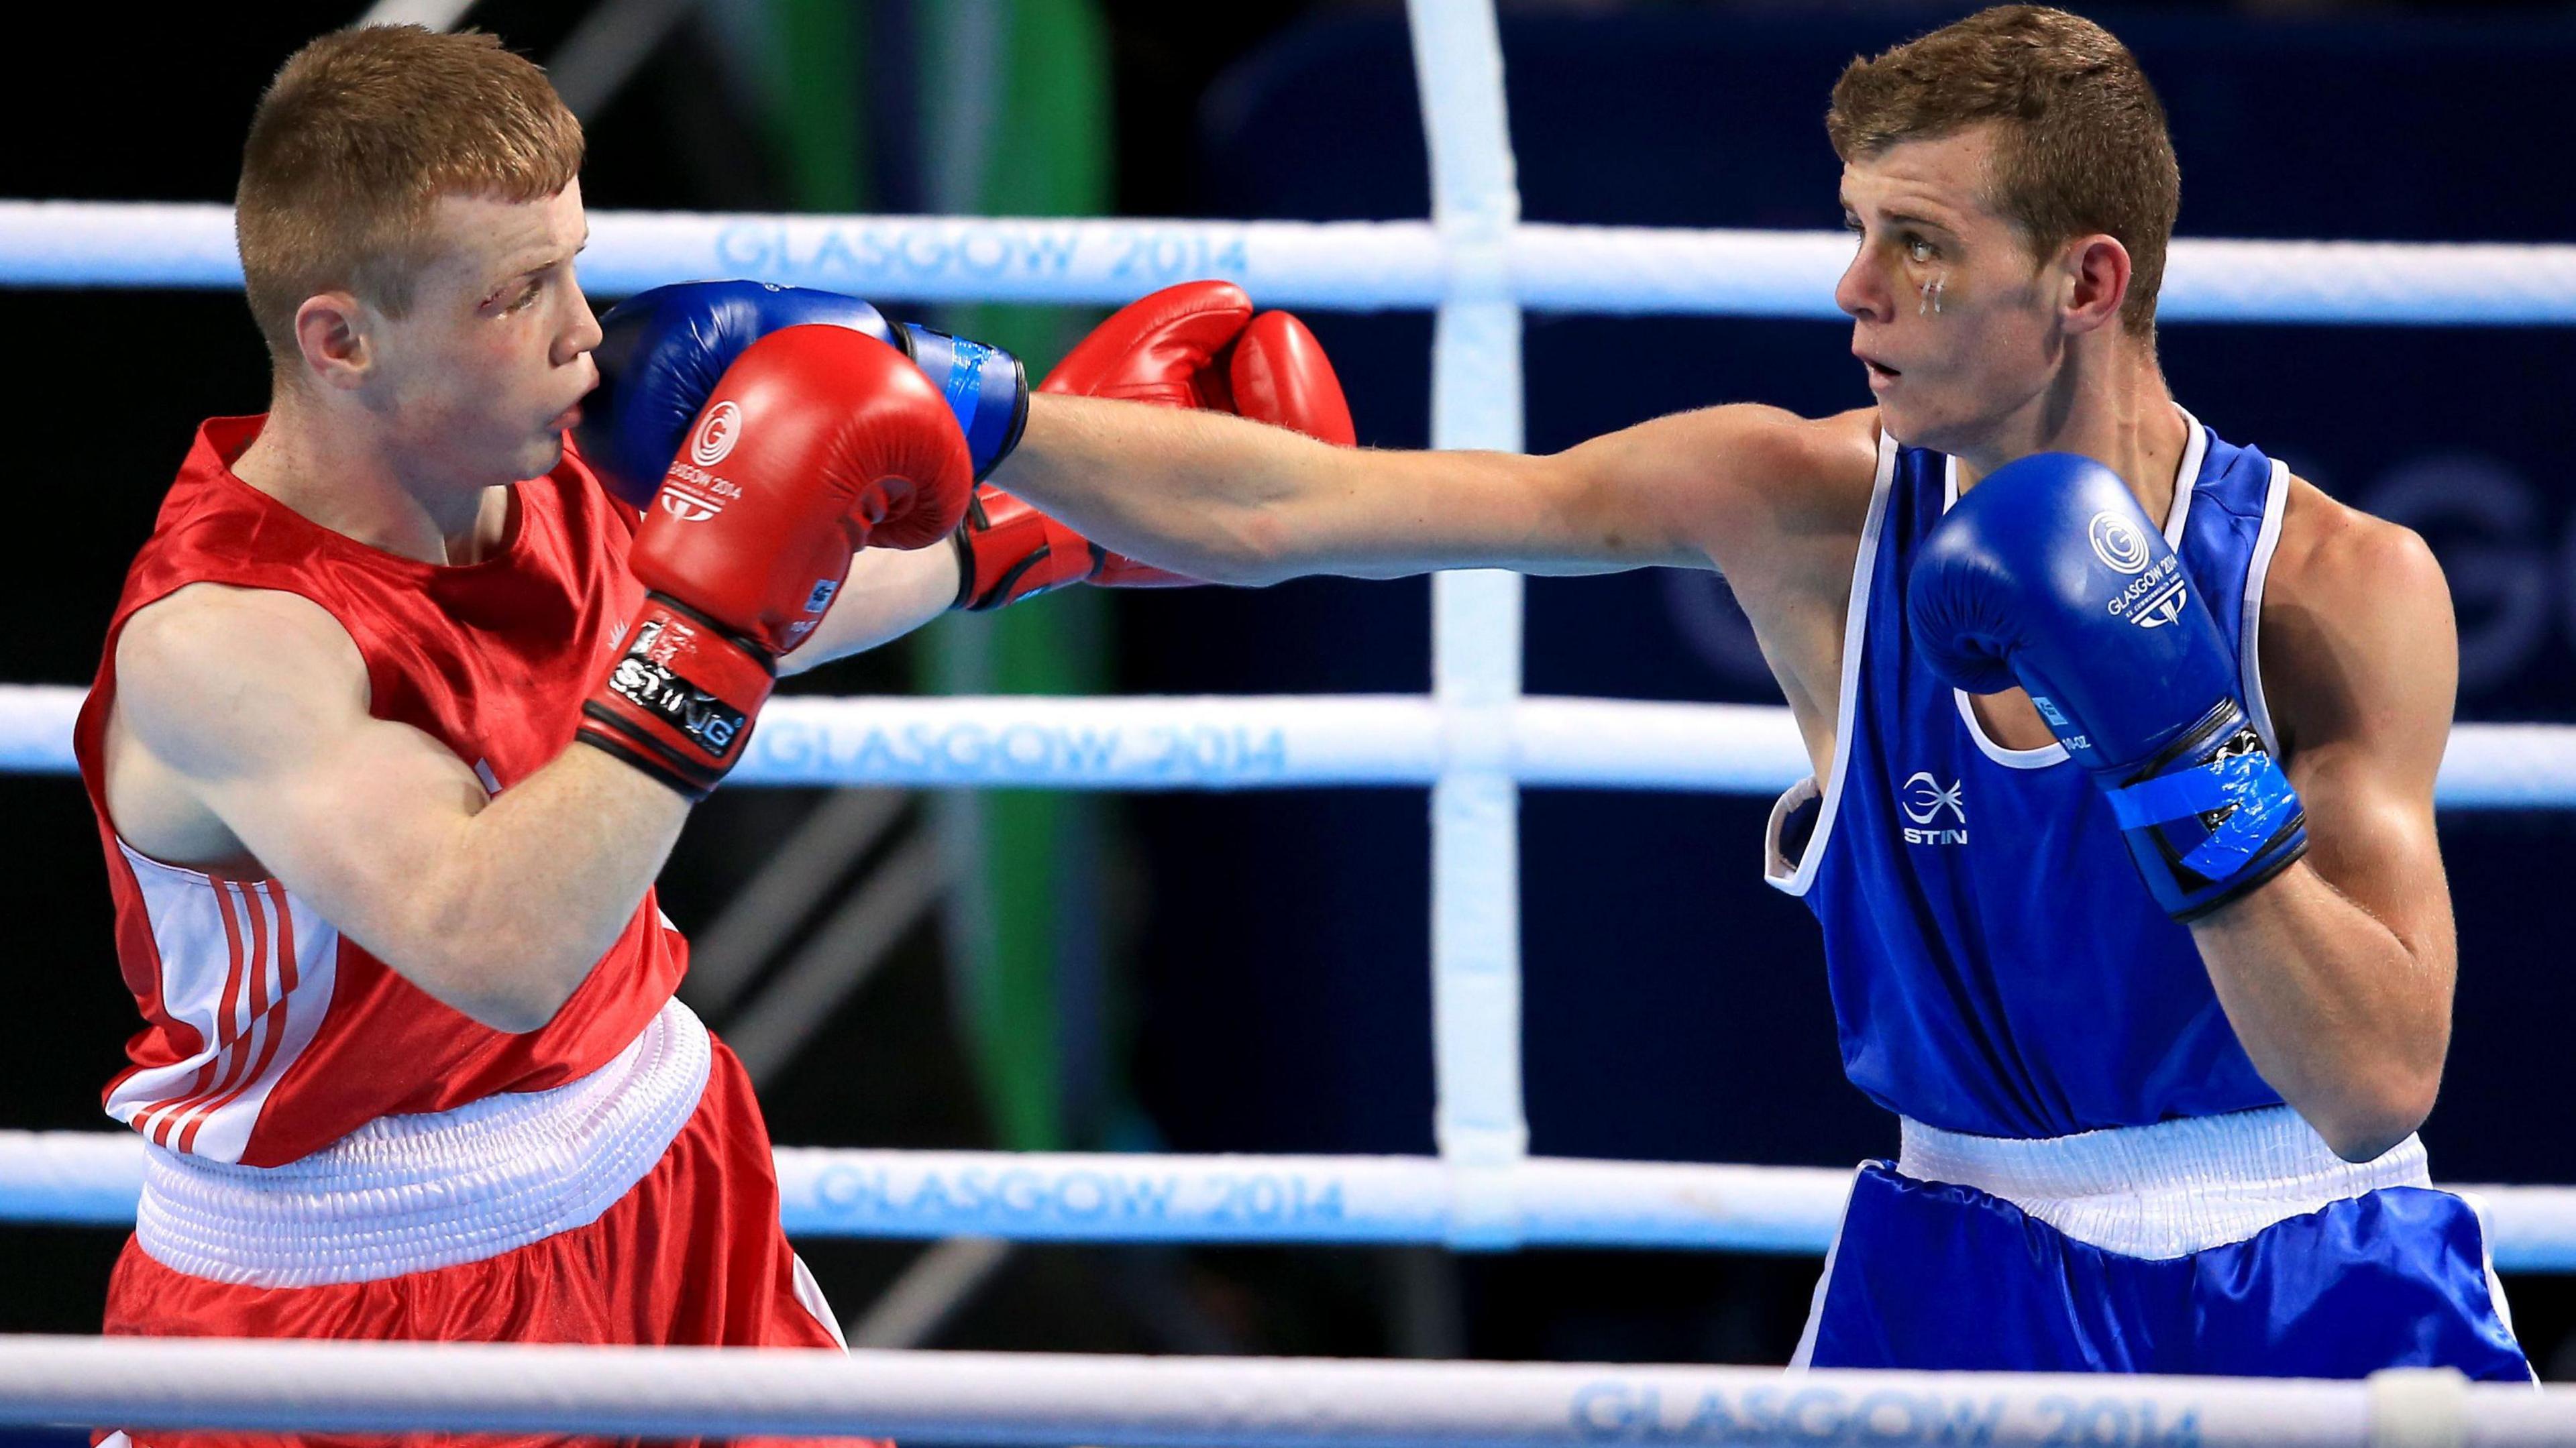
93	1178
1476	614
1333	265
1179	1402
1278	741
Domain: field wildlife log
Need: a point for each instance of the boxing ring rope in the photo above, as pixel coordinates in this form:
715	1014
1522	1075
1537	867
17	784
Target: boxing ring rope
92	1178
1179	1402
1293	741
1477	1119
1334	266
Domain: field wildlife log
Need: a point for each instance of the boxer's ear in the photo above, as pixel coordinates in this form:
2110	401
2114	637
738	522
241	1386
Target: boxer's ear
2092	276
333	340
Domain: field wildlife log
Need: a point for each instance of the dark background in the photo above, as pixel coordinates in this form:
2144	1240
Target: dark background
1273	944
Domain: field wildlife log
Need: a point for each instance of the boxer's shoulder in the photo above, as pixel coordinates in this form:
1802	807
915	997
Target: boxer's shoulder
1778	504
1742	478
2357	622
214	667
215	682
2332	545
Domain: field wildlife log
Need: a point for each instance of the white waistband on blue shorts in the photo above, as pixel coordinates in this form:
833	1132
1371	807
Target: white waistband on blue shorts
415	1193
2166	1190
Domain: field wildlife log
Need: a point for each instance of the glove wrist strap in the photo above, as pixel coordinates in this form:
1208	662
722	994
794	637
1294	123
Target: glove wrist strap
679	703
2212	817
986	388
1008	551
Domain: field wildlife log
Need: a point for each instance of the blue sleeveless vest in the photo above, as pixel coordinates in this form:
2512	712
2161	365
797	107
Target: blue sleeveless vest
1996	965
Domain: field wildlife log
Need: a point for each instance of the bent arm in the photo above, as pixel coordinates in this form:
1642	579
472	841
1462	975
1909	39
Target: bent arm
1231	501
498	907
2338	974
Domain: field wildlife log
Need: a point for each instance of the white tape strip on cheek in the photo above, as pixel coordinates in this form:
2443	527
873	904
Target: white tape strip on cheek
1931	294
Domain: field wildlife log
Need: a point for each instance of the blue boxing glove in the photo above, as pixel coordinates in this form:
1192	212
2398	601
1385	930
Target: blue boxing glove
661	351
2048	574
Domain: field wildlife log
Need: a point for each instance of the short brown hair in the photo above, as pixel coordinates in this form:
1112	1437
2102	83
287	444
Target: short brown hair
356	139
2083	147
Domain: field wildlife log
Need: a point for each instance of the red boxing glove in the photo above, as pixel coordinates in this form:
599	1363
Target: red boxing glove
1166	348
817	442
1195	345
1281	377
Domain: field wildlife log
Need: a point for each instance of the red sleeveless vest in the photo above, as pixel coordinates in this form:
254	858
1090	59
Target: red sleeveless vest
267	1034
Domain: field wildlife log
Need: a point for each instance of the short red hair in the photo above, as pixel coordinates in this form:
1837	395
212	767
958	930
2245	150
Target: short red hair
356	139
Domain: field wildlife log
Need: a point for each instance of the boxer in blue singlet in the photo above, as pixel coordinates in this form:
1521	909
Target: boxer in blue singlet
2121	830
2093	1175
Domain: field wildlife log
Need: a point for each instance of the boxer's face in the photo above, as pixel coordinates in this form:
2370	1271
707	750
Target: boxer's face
481	376
1953	317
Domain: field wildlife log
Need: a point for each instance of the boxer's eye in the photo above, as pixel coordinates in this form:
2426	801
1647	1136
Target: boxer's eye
1918	249
509	301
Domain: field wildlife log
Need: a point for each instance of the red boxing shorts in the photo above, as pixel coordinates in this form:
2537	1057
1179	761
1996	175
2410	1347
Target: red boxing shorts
691	1254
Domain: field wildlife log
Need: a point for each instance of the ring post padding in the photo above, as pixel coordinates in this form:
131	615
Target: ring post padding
1475	632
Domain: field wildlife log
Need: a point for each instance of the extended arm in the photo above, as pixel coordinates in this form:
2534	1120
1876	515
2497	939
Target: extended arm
1193	494
1764	495
2337	976
1216	498
498	907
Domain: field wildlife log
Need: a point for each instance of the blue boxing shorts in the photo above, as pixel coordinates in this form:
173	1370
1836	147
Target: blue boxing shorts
2233	1245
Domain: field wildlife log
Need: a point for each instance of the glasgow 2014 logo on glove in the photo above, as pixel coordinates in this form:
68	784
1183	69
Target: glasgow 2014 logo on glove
2116	542
2155	597
716	434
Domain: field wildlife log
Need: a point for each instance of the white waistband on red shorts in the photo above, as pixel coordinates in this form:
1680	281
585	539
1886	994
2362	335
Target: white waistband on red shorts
2166	1190
414	1193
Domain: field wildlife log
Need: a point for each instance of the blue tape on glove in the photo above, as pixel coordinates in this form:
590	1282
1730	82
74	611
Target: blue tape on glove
984	385
2253	783
2194	791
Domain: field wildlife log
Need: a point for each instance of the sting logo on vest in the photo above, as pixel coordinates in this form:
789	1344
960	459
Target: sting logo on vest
1923	799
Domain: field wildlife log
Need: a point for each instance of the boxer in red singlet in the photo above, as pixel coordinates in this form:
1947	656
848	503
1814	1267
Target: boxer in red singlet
411	1066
